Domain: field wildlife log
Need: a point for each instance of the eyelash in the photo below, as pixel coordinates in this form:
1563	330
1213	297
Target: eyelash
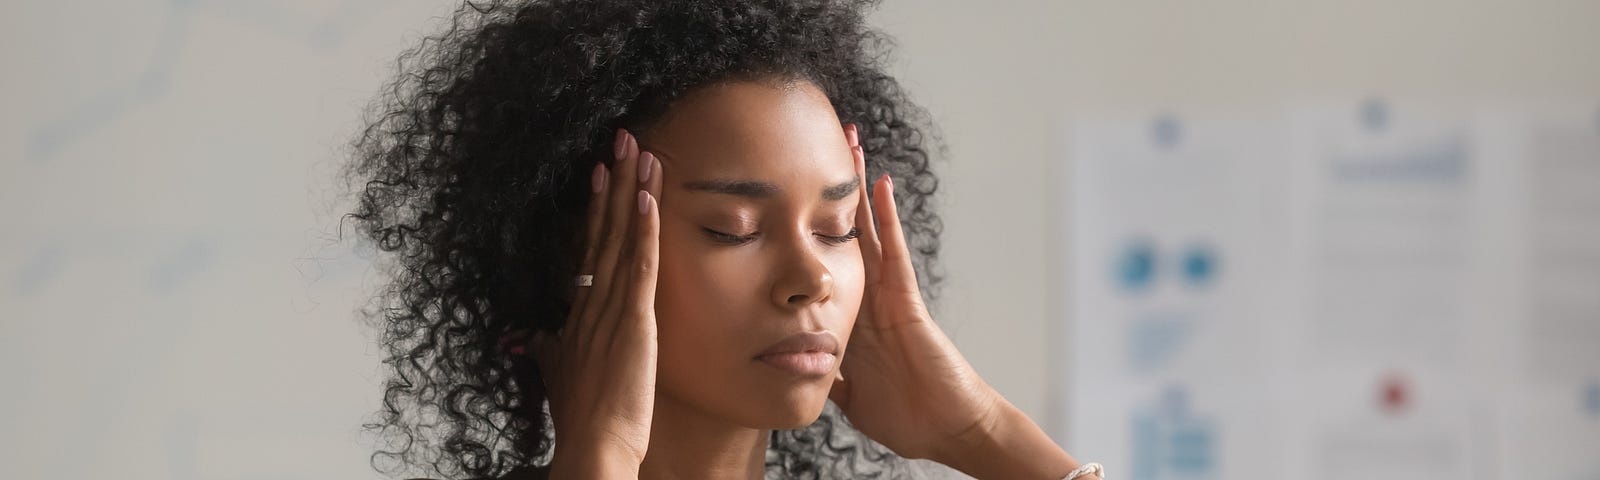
853	234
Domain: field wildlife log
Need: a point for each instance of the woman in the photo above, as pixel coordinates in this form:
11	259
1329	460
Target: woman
657	216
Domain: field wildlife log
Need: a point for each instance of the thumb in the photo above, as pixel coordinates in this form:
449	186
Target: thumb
546	353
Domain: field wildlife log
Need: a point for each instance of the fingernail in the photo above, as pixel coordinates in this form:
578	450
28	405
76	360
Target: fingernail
644	202
645	160
598	179
620	146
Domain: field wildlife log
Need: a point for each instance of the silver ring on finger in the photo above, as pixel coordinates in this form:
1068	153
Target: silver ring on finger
584	280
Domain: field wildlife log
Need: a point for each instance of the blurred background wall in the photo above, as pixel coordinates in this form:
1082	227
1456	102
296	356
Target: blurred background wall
1171	231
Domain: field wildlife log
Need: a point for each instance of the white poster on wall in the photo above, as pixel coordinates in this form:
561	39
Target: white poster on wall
1168	351
1384	219
1547	408
1357	287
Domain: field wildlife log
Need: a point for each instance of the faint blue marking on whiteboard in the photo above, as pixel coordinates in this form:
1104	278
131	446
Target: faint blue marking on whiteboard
95	113
1591	399
40	269
1136	266
1375	115
1154	339
1170	442
1166	132
181	265
105	107
1199	265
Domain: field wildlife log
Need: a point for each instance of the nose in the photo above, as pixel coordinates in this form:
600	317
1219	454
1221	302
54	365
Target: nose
804	280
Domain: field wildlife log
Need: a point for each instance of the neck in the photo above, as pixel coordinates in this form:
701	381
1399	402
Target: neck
687	443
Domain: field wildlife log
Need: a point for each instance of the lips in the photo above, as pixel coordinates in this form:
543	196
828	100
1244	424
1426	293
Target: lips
807	354
807	342
805	364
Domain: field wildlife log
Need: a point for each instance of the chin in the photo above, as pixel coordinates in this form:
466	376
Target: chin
796	408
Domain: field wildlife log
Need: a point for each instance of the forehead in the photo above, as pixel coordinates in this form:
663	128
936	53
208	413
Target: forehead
754	130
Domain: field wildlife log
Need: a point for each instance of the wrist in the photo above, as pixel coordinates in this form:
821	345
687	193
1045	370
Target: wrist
1011	446
586	461
982	437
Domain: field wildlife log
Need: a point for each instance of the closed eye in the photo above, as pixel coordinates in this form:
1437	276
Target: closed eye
731	239
853	234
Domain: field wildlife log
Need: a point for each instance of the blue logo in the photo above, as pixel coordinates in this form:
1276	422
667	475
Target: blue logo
1136	266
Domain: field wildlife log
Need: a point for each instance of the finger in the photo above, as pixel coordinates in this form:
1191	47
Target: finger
871	249
546	354
595	227
897	269
852	134
622	285
647	255
619	209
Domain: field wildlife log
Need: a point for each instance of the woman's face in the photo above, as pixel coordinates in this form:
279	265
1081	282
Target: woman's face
770	163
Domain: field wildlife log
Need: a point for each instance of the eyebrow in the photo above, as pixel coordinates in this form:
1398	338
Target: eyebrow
756	189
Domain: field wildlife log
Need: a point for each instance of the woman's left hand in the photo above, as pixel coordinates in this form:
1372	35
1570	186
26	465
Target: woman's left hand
905	385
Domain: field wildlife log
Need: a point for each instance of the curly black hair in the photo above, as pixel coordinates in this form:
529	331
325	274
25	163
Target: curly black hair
471	177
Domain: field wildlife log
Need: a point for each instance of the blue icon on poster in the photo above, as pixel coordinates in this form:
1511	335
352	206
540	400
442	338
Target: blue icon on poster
1171	443
1155	339
1136	266
1199	265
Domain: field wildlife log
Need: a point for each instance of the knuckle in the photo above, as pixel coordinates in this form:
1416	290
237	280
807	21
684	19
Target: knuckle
614	236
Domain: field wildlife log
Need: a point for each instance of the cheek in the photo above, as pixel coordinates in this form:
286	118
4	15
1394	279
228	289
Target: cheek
702	284
849	283
702	295
696	272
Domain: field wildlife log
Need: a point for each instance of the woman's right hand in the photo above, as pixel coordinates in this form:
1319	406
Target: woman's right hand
600	370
